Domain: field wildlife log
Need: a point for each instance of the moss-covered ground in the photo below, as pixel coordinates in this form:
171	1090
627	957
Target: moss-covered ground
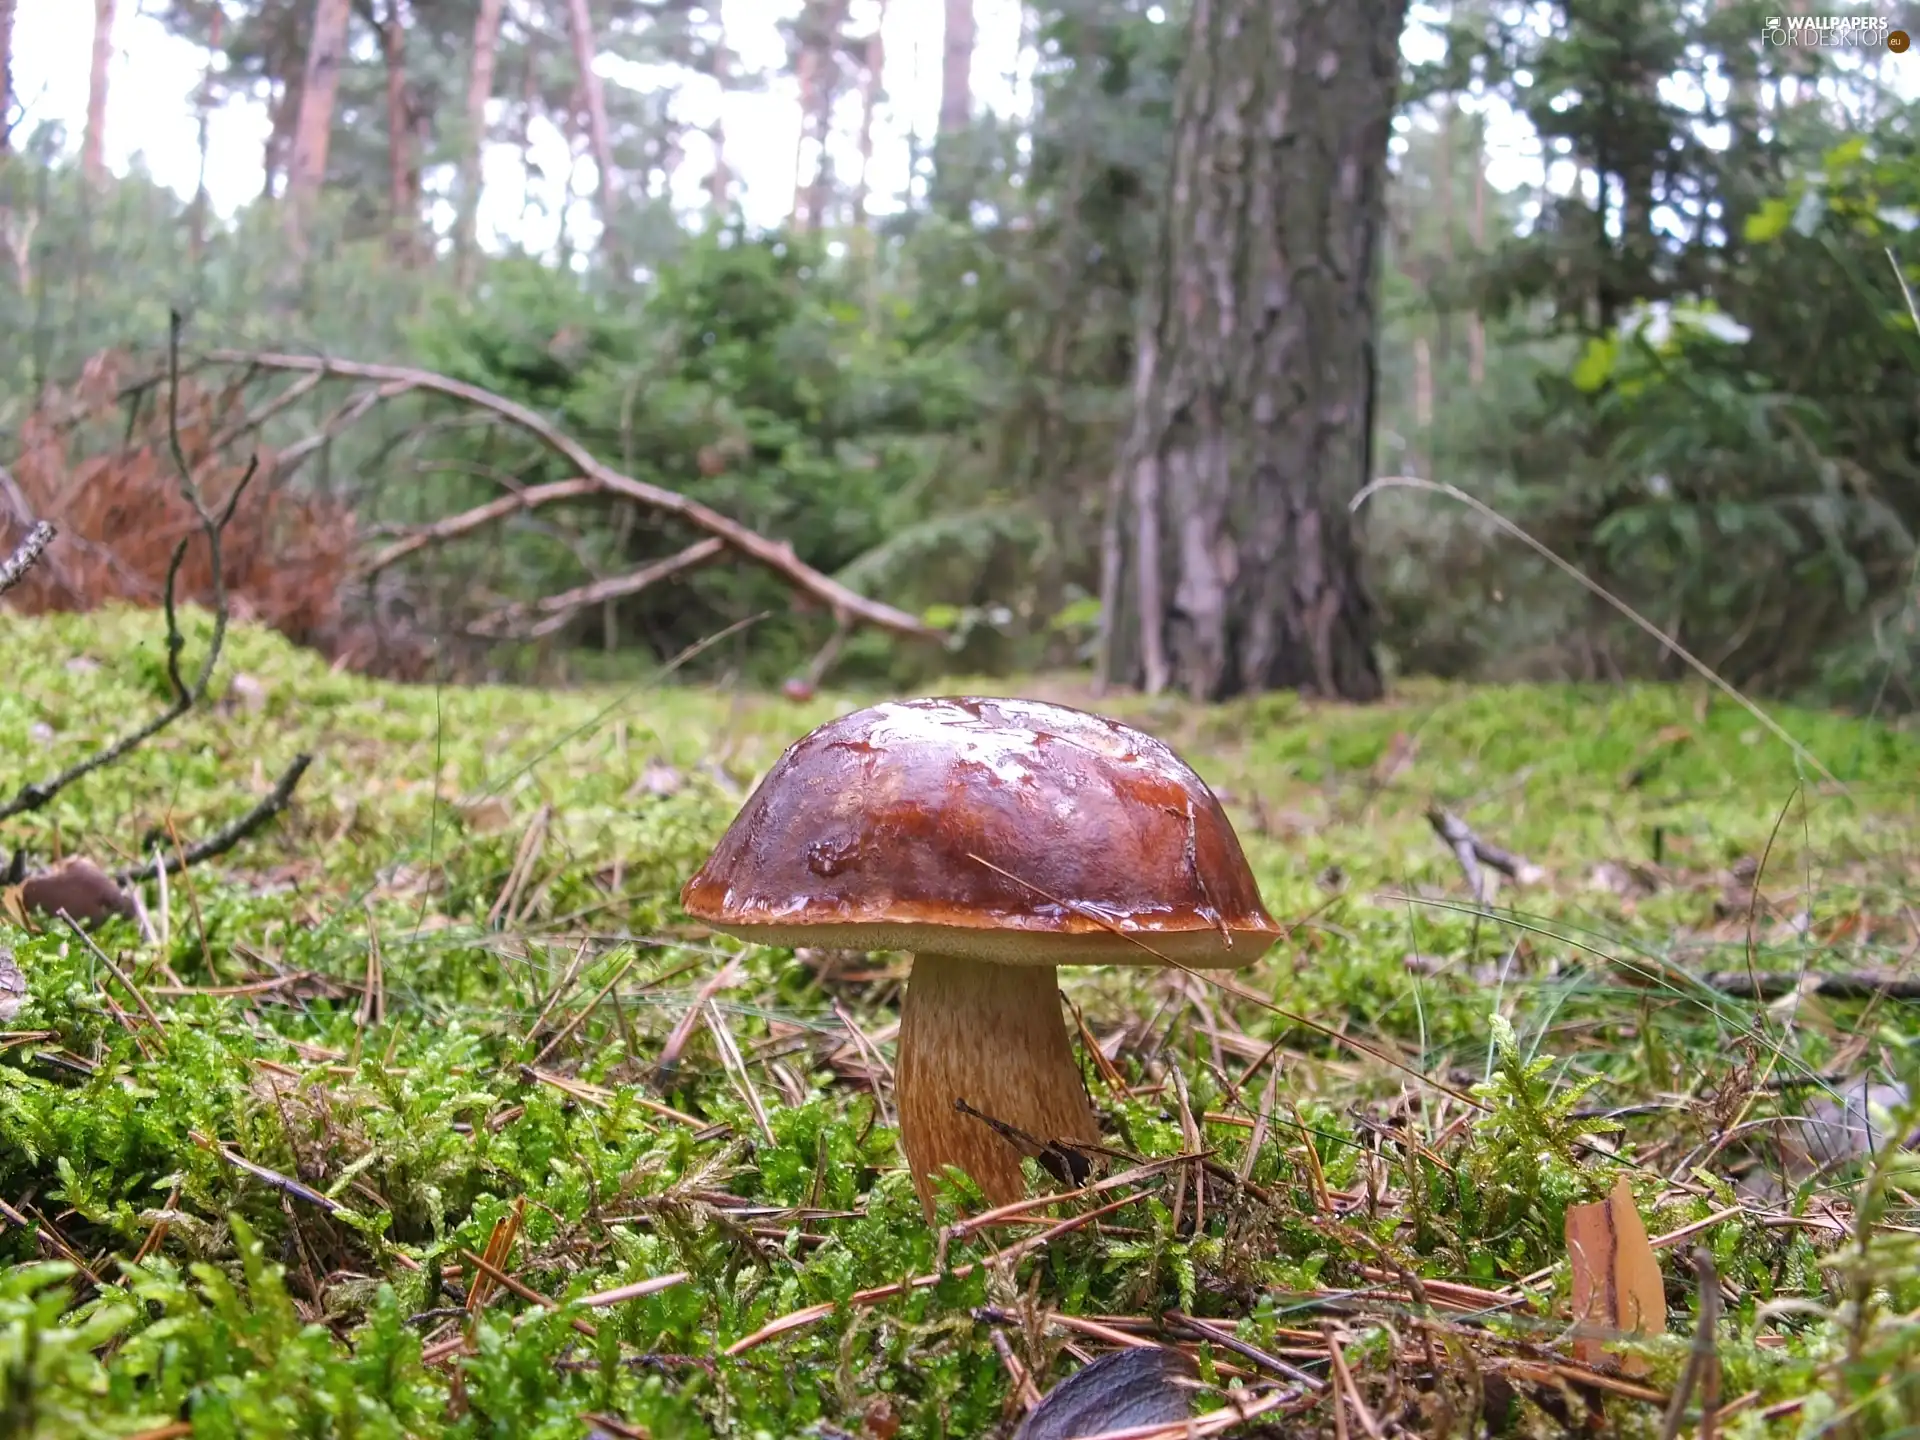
344	1146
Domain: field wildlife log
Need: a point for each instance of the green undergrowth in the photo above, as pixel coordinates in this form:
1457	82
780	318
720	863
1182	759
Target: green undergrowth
258	1216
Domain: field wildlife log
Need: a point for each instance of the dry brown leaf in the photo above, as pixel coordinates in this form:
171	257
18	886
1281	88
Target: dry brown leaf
1617	1287
486	815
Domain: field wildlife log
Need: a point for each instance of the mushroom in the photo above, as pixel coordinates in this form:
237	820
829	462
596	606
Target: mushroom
995	840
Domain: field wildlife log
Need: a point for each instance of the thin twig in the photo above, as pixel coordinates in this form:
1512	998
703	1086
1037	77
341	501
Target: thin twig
553	612
228	836
36	794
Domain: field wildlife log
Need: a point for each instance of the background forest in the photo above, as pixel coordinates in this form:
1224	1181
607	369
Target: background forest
1683	363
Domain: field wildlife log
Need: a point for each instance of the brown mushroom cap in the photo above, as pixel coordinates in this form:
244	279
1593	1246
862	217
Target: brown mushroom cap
871	832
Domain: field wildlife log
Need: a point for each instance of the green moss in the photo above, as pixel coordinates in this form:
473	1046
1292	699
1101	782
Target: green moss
463	844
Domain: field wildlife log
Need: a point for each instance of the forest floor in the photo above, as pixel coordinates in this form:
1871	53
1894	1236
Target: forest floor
374	1136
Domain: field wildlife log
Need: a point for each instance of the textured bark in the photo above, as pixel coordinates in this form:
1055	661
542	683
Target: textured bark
990	1035
313	129
6	74
818	74
593	96
93	154
956	68
872	70
486	52
404	141
1231	564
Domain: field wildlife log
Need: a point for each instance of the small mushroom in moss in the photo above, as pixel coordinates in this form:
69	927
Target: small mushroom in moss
996	840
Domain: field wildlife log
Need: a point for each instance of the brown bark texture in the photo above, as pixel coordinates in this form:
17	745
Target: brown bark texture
313	127
594	95
404	142
93	153
1230	563
486	53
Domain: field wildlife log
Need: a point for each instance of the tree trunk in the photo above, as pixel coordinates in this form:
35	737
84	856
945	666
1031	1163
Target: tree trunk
93	154
956	68
1232	565
820	25
486	50
1477	326
6	75
580	22
870	90
203	113
720	179
403	148
313	129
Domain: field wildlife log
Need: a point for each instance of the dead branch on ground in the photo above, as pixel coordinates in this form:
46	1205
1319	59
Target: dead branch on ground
14	569
212	524
230	835
467	521
555	611
1472	852
847	605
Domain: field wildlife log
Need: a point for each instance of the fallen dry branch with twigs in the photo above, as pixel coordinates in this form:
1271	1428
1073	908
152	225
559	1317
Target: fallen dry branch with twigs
1472	852
778	556
212	520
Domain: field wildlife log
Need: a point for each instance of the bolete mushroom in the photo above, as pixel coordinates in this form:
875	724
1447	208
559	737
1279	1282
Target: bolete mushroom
995	840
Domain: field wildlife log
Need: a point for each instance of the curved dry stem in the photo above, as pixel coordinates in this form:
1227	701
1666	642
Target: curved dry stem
992	1036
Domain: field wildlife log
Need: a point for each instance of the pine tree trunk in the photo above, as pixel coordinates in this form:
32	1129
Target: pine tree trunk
956	68
1476	325
580	22
870	77
93	154
6	75
1231	565
403	150
820	25
203	114
313	129
486	52
720	179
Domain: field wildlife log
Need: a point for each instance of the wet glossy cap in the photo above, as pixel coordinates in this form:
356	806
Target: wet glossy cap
1002	830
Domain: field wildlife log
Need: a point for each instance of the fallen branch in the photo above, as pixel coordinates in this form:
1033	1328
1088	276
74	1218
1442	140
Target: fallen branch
556	610
36	794
1771	985
777	556
1472	852
226	838
467	521
25	555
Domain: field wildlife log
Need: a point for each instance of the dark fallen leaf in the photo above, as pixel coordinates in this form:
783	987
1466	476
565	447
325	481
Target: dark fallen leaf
1147	1386
1062	1159
80	888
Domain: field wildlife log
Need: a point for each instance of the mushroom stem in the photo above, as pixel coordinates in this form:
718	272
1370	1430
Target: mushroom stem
990	1035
